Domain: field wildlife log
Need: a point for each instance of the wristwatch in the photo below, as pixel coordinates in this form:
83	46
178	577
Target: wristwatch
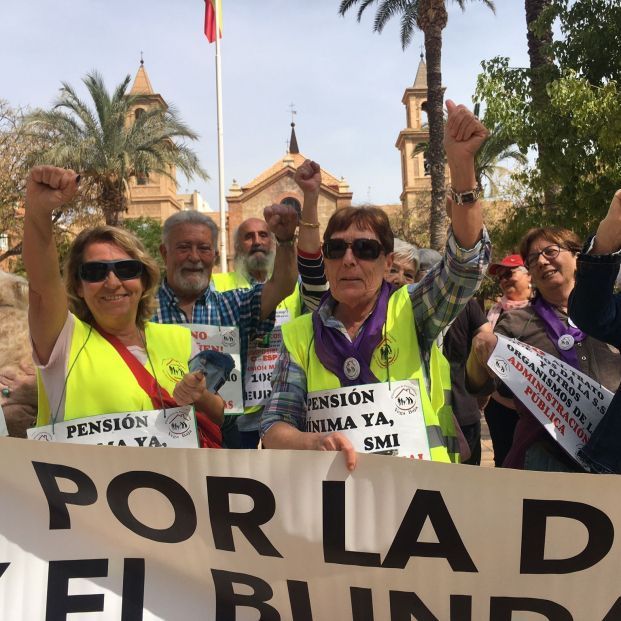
467	197
286	242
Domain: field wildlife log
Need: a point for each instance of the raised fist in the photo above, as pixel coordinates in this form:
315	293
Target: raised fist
308	177
282	221
48	188
463	133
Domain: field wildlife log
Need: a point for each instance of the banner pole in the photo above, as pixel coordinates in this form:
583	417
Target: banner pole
221	190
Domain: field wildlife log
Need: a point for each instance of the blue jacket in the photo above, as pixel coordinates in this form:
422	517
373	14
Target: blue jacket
596	309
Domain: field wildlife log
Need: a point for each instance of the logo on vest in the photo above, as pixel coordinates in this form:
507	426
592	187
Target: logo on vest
351	368
173	369
405	399
388	352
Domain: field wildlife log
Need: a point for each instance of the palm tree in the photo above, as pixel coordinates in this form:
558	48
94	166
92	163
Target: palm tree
430	17
542	71
108	146
498	147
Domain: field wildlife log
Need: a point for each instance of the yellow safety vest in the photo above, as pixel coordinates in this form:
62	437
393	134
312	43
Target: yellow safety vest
233	280
397	357
100	382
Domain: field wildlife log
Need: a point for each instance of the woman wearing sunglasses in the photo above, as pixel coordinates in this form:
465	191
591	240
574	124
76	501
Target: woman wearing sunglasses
367	334
550	255
88	333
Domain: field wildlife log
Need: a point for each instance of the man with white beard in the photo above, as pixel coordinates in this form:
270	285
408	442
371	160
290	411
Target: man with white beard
189	248
254	262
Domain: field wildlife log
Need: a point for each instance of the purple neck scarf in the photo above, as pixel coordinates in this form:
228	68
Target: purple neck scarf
333	348
555	329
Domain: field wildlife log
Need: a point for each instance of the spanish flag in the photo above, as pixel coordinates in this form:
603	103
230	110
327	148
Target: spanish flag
210	19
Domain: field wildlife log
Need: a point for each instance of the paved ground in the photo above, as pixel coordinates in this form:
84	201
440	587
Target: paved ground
487	454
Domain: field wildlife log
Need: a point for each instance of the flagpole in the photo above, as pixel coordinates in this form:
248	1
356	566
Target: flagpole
223	235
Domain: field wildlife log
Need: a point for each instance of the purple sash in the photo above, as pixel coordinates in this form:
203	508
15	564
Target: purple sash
555	329
333	348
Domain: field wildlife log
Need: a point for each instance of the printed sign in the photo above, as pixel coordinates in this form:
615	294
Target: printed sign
262	357
172	427
224	339
568	403
377	418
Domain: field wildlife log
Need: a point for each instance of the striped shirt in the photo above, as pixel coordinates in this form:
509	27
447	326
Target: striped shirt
314	283
436	301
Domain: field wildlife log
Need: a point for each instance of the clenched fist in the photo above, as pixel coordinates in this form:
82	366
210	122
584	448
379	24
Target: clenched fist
48	188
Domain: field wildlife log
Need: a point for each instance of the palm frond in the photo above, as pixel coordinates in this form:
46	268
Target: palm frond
348	4
409	23
488	3
386	10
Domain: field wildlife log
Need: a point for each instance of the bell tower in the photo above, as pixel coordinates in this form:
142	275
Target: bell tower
155	195
415	177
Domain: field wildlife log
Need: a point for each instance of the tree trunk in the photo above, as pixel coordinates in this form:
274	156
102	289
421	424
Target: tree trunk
432	20
112	202
541	72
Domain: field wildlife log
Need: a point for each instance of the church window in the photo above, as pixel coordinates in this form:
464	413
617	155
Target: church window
293	202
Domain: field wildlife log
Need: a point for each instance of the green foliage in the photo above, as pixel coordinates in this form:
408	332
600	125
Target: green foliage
108	144
591	41
149	232
18	152
580	125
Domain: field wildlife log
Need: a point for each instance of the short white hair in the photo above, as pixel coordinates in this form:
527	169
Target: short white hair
405	251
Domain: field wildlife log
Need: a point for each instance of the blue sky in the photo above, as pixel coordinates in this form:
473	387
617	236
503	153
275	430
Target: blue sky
345	81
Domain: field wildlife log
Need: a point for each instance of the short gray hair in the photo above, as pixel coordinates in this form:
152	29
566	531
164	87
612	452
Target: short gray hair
406	251
189	217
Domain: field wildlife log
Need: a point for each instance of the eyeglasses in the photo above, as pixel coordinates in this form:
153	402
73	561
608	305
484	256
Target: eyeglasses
549	252
364	249
97	271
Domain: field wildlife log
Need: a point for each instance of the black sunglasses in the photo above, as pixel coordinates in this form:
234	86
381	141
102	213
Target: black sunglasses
365	249
97	271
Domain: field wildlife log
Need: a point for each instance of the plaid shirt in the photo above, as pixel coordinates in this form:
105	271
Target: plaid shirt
436	301
240	308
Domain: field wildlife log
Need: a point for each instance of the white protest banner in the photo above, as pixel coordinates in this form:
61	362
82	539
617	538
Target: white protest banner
262	358
384	417
568	403
110	533
173	427
224	339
